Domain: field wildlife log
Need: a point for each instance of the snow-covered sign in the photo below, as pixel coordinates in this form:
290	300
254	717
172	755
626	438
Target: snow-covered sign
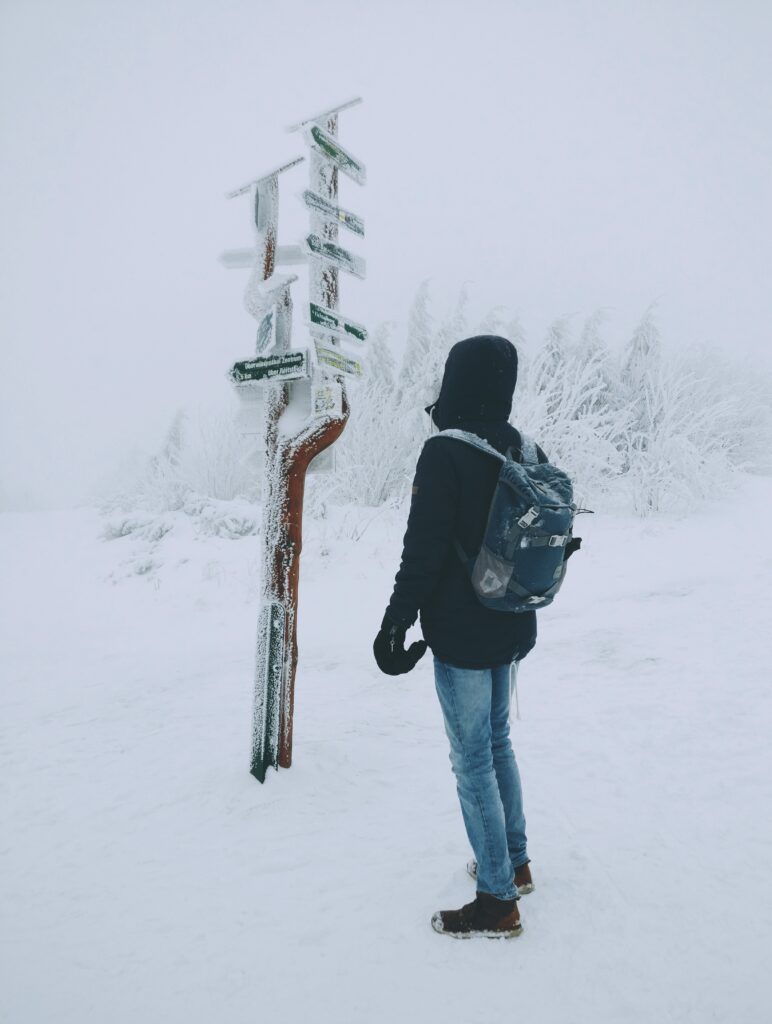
334	359
285	366
267	296
325	115
332	150
335	324
336	255
242	259
243	189
334	213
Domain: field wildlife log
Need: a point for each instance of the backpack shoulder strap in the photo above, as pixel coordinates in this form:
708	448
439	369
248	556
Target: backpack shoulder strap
473	440
528	450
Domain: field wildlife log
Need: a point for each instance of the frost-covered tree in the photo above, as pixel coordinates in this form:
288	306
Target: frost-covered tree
369	457
565	403
645	430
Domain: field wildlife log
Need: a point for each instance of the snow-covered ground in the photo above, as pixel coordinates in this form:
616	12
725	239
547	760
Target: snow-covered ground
146	877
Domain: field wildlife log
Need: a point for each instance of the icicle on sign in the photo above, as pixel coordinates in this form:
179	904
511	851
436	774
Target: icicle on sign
301	422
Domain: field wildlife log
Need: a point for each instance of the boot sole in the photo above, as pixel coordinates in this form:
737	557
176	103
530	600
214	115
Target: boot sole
510	933
522	890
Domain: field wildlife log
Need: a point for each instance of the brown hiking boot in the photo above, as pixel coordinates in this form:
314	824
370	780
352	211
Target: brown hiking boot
486	917
523	879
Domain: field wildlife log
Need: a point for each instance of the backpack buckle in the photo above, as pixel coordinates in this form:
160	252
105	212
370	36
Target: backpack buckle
529	518
558	540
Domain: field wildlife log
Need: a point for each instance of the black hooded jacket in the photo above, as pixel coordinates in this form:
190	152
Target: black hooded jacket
452	492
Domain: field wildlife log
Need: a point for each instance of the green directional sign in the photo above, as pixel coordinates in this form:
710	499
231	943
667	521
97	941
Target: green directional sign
334	323
334	359
333	213
281	366
329	146
336	255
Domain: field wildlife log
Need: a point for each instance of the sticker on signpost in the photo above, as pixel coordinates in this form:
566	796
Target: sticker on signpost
327	397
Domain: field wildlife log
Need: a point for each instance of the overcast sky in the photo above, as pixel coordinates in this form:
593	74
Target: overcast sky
560	157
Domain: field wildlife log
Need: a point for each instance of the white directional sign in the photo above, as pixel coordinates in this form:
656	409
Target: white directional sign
242	259
326	113
268	301
263	177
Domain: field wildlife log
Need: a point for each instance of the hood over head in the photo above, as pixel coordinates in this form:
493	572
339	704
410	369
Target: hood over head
478	382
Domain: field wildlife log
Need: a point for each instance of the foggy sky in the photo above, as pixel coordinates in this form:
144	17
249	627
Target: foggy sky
559	157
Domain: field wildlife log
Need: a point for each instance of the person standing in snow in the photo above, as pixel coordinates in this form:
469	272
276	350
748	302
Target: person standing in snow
475	648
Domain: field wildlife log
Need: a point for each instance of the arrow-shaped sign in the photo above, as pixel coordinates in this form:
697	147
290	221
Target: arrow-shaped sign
336	255
263	177
333	358
334	213
332	150
334	323
326	113
284	366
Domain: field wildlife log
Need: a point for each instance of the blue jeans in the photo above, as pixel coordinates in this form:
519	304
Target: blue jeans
475	705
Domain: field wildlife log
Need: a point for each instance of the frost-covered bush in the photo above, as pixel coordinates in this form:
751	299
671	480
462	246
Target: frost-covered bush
694	422
368	470
642	429
202	456
568	400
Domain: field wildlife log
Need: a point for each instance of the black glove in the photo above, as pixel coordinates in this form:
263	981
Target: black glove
573	545
389	649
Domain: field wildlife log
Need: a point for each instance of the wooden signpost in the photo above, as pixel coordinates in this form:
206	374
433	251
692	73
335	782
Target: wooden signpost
305	402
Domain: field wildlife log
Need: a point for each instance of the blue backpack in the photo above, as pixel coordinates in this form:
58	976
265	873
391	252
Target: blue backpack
521	563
